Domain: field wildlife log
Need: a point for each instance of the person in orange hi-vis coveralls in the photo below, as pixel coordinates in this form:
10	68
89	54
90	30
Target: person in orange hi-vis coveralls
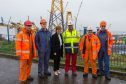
89	47
106	40
26	50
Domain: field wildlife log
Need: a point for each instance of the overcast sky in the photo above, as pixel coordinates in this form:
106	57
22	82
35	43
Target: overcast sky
92	11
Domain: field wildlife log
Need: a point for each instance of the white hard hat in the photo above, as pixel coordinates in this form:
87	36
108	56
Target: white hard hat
70	22
89	28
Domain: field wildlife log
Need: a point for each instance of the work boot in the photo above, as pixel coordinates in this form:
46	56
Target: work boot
100	73
23	82
85	75
66	74
41	76
47	74
107	77
74	74
94	76
30	78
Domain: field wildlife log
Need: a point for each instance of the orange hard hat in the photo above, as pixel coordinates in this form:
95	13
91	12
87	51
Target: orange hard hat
28	23
103	23
43	21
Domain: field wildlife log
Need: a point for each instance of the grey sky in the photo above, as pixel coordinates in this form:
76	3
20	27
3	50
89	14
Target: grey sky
92	11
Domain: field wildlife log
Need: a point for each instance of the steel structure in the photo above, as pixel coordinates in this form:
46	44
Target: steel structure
56	15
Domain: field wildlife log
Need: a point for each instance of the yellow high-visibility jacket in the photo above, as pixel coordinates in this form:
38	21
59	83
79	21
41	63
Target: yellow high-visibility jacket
71	41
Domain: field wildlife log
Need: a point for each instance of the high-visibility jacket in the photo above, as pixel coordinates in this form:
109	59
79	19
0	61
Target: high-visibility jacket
95	45
71	41
109	41
25	45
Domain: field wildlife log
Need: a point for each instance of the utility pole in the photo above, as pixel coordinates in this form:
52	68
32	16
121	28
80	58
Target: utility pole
2	21
85	30
56	15
40	17
8	30
28	17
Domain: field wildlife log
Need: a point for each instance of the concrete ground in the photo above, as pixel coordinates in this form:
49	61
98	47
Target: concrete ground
9	74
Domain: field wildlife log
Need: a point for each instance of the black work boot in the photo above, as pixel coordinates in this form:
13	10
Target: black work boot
66	74
23	82
47	74
41	76
107	77
74	74
94	76
100	73
30	78
85	75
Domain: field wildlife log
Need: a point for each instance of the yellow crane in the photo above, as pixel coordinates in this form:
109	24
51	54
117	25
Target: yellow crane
56	15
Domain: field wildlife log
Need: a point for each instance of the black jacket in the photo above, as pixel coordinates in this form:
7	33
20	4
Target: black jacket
56	48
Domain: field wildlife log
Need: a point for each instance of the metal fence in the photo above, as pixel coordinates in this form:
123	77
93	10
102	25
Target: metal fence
118	56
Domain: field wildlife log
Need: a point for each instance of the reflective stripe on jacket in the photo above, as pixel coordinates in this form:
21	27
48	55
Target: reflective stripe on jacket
71	41
95	45
25	45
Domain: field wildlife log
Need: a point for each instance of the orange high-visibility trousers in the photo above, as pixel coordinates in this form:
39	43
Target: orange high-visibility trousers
25	69
87	59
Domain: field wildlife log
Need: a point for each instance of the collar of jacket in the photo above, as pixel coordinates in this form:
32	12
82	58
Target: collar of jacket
42	30
25	31
103	31
107	31
57	34
72	30
89	36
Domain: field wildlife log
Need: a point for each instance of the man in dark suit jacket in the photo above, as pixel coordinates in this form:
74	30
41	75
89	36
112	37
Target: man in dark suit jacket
57	49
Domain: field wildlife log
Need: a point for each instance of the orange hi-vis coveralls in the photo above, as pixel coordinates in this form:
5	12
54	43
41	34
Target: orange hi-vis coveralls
90	45
25	48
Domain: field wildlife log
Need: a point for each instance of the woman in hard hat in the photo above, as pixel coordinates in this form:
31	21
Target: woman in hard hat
89	47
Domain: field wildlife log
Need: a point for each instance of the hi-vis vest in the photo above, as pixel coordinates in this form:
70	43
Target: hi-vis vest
71	41
25	45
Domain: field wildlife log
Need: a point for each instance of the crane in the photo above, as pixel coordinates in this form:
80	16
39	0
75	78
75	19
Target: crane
76	19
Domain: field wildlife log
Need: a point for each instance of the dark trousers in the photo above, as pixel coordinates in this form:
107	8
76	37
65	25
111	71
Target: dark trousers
103	62
43	62
56	62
